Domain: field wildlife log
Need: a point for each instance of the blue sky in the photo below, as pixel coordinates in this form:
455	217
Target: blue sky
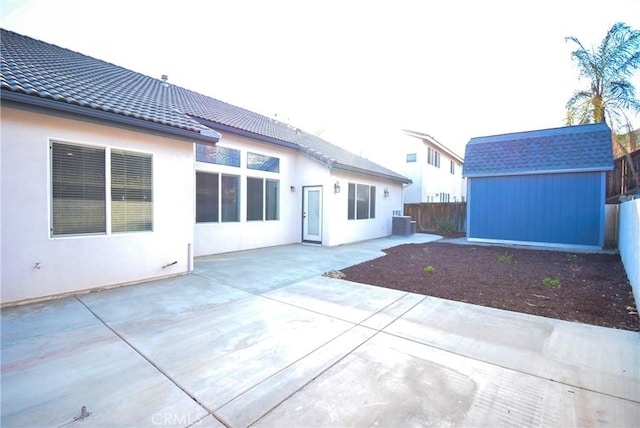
353	71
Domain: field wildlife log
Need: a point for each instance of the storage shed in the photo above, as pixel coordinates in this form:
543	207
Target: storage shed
544	187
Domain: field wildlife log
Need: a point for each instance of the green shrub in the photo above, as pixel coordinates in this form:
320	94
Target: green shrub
446	227
551	283
505	258
429	269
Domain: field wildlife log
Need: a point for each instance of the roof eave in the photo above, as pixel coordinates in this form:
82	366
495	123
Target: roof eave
357	170
439	145
244	133
204	136
533	172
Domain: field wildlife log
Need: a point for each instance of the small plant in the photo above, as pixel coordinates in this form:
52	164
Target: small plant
571	257
429	269
551	283
446	227
472	249
505	258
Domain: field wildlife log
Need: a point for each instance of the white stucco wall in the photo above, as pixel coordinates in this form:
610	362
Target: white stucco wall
222	237
68	264
298	171
629	243
341	229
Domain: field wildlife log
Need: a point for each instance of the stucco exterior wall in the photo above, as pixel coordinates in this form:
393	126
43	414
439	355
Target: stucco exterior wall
222	237
34	264
298	171
342	230
629	243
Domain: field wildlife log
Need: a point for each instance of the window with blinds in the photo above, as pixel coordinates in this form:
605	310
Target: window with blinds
78	189
131	191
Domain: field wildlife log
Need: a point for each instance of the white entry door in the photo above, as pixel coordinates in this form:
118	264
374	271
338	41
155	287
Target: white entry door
312	214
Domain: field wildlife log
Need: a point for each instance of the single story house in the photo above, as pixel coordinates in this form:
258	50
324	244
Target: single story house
111	177
544	187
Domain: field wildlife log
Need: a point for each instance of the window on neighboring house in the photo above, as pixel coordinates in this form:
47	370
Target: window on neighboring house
361	202
453	167
262	162
411	157
433	157
131	191
217	155
445	197
78	190
263	199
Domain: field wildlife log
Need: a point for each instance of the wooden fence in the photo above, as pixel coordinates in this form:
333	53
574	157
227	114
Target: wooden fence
430	217
623	180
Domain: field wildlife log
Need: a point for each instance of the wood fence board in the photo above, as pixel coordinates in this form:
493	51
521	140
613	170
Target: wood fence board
428	215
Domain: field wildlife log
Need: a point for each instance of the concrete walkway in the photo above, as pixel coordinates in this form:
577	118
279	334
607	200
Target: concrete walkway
260	338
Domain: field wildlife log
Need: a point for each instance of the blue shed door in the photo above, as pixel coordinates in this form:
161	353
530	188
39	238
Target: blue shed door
545	208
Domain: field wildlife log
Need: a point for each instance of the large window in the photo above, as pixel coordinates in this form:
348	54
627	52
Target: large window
433	157
230	198
78	189
131	191
452	167
263	199
217	197
79	196
361	202
207	199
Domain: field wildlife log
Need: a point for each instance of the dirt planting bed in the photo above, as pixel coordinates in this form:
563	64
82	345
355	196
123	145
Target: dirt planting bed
586	288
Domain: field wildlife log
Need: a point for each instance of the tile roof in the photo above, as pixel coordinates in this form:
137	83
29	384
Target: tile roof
62	77
568	149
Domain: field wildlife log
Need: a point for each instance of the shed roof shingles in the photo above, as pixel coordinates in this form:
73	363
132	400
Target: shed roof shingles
568	149
40	69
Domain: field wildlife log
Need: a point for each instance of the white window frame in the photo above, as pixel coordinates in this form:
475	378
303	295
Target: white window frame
108	206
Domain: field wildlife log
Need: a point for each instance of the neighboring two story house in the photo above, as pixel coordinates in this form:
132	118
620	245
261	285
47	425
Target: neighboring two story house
434	169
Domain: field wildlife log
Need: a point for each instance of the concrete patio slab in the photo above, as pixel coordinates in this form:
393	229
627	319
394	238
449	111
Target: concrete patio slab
260	338
53	367
330	297
247	408
218	352
589	357
390	381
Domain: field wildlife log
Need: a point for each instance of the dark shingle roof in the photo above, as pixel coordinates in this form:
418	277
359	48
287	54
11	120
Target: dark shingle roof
569	149
62	77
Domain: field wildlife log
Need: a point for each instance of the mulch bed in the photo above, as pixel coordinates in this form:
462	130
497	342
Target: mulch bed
581	287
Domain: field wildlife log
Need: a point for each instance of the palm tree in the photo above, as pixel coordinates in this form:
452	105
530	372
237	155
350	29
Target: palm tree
610	96
608	68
